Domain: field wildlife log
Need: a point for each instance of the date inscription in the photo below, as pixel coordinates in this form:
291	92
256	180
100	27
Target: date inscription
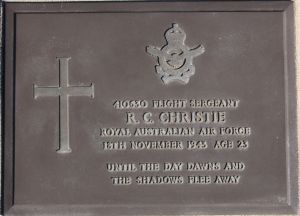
190	126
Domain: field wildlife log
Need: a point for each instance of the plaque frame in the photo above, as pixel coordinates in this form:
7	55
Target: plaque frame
11	10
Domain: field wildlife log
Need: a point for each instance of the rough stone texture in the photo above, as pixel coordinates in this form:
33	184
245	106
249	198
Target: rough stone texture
297	34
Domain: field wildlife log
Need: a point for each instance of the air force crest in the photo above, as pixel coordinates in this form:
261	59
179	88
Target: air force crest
175	59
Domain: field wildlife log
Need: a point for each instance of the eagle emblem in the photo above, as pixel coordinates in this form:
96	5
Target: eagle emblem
175	59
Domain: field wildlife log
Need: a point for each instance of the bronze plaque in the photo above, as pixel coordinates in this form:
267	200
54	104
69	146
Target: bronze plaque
149	108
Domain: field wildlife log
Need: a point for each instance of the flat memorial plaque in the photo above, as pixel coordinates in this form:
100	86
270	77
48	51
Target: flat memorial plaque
149	108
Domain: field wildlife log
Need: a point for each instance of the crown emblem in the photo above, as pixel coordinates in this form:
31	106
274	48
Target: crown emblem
175	59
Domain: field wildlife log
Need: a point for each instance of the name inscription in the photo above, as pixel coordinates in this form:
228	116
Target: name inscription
176	125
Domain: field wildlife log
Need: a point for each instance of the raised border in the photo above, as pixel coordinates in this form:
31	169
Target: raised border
7	114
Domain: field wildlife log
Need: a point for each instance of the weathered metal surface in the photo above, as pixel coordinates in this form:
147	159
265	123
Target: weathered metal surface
216	137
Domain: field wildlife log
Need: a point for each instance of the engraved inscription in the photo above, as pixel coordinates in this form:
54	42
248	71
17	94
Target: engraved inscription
175	59
191	126
63	91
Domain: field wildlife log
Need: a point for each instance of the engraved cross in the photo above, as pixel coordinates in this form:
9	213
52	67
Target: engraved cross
63	91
